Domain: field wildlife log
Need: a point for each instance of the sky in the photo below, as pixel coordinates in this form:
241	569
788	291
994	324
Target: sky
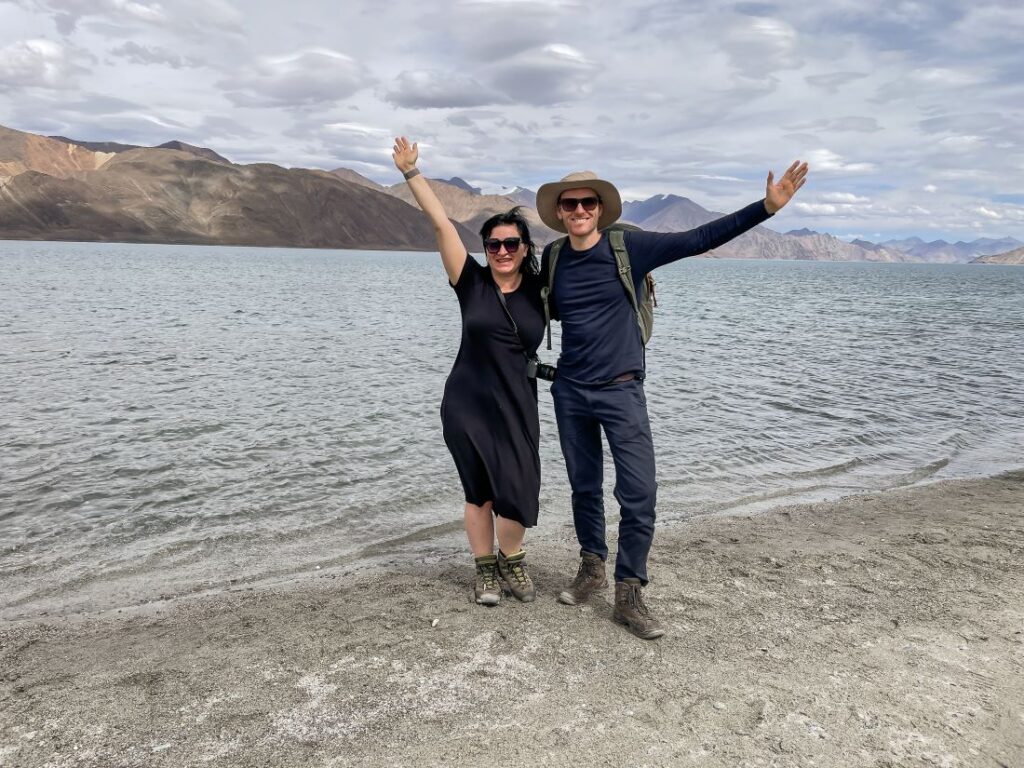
909	113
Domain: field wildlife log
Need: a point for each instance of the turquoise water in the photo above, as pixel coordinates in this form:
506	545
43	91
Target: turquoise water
175	419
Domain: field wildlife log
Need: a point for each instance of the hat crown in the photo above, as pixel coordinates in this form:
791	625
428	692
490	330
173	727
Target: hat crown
581	176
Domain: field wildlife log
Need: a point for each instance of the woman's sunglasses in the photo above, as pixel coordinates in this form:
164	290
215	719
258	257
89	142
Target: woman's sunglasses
493	244
569	203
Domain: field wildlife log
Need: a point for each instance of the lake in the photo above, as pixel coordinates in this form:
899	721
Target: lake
176	419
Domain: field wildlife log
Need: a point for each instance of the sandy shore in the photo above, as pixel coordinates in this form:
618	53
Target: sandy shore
883	630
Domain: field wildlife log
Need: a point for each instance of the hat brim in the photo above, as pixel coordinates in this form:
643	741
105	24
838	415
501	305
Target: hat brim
547	200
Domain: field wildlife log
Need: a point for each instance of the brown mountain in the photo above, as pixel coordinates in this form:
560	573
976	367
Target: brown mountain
472	209
51	190
61	189
357	178
209	154
1015	256
671	213
21	152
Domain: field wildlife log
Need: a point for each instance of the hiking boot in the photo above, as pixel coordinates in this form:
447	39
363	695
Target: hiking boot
486	590
512	570
631	610
589	578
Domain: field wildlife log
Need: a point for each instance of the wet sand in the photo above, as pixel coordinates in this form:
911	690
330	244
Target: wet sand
879	630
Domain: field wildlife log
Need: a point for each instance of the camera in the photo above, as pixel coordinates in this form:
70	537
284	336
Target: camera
535	369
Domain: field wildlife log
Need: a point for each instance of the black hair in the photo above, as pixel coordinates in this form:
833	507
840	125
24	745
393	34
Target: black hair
530	265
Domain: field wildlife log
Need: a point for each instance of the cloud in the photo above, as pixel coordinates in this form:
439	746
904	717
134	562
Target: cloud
426	89
816	209
553	74
490	30
844	197
987	23
198	16
37	63
761	45
988	212
833	82
140	54
312	77
827	160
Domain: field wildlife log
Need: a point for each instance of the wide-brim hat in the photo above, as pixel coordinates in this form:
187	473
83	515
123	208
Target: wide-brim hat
548	194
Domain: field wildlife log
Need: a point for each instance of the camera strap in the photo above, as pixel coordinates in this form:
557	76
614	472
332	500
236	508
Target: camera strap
508	314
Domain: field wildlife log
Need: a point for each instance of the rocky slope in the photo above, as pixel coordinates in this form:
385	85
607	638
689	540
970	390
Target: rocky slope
55	188
52	190
23	152
1015	256
670	213
472	209
941	252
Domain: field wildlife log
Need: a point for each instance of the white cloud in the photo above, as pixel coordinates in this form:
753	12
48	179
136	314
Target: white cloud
311	77
140	54
37	63
988	212
891	103
423	89
552	74
816	209
195	15
827	160
843	197
760	45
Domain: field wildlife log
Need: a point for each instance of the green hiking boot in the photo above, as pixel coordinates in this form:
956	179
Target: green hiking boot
486	590
631	610
512	570
589	578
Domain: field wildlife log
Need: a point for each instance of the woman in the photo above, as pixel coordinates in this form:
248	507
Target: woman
489	409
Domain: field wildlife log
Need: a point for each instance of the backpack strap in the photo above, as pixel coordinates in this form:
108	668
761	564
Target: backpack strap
545	290
618	243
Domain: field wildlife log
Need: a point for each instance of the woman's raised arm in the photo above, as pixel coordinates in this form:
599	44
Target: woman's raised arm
453	250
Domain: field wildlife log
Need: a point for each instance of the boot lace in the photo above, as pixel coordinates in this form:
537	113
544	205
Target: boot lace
519	574
636	600
488	575
588	570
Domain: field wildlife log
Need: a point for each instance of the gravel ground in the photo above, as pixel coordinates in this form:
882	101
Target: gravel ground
882	630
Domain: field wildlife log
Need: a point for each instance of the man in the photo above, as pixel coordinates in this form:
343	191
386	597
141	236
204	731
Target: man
601	370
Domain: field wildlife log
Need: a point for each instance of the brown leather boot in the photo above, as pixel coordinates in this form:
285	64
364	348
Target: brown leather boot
631	610
589	578
486	590
512	571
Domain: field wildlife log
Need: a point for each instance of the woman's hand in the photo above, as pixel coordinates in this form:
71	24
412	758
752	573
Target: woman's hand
404	154
776	195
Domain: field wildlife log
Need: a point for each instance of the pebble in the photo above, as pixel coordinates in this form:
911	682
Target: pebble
435	622
719	705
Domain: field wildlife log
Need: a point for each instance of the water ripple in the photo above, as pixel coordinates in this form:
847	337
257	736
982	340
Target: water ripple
173	418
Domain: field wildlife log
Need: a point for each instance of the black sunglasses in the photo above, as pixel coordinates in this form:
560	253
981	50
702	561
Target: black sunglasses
569	203
493	244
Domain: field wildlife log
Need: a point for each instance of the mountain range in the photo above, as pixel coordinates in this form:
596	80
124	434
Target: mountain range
56	188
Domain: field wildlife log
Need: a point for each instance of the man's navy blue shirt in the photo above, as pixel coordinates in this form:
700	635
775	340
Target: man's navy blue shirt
600	334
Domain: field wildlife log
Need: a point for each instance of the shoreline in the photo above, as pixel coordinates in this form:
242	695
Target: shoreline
883	629
108	596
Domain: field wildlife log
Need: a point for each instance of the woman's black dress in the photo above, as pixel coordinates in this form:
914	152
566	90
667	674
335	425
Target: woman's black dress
489	410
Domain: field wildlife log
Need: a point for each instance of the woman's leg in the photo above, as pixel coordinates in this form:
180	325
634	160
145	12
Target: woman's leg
480	528
510	535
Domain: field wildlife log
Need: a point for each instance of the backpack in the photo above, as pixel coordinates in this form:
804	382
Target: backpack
643	305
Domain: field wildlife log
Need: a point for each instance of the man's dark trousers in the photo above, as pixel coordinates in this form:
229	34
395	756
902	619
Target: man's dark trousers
620	408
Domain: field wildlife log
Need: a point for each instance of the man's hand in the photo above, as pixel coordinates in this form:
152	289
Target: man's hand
776	195
404	154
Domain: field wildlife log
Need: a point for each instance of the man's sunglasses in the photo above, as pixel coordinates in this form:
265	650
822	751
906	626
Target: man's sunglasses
569	203
493	244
